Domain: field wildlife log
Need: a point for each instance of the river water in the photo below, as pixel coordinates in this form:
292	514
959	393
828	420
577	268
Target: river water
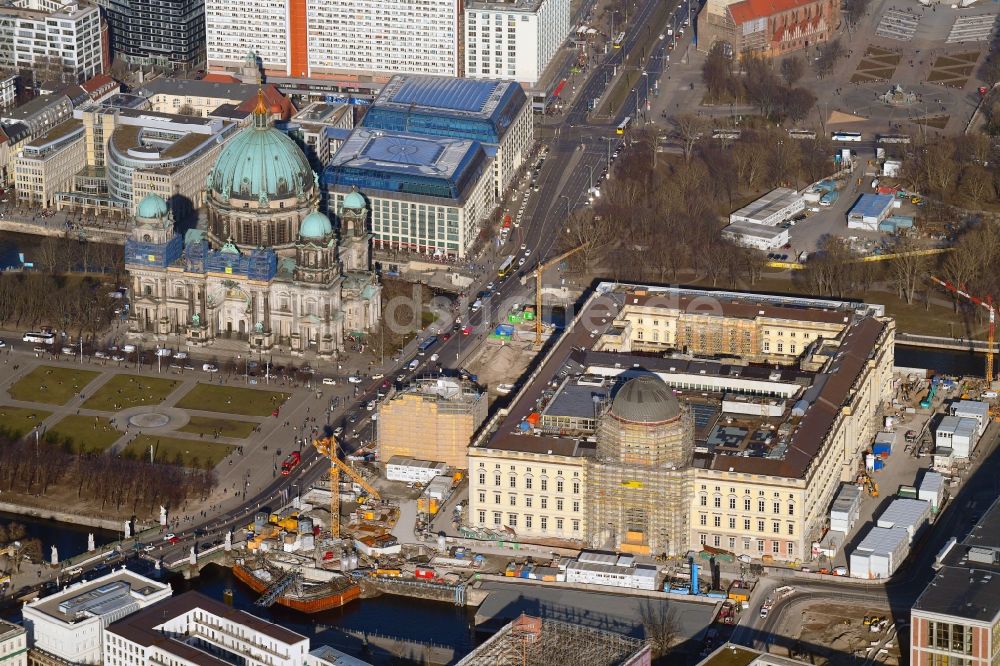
400	617
68	538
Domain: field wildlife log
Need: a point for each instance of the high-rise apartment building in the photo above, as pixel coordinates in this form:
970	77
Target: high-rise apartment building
335	38
514	41
160	32
56	39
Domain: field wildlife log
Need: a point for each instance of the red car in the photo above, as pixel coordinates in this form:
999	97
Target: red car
445	337
467	330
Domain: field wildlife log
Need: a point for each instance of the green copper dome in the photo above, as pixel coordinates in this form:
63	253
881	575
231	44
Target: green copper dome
354	201
315	225
151	207
260	164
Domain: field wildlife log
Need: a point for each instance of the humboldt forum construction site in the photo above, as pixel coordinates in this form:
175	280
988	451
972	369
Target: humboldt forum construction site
666	420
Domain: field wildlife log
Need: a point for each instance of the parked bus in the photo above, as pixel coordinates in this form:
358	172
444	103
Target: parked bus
624	125
801	134
725	133
851	137
39	337
506	266
893	138
619	40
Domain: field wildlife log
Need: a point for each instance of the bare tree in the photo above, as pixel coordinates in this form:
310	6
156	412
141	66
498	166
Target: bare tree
661	625
907	269
829	54
689	129
793	68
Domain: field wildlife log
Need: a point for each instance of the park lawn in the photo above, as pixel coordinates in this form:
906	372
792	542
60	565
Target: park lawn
83	434
207	425
18	421
126	391
198	453
232	400
51	384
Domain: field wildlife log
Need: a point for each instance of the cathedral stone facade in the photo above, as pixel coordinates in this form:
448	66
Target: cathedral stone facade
265	266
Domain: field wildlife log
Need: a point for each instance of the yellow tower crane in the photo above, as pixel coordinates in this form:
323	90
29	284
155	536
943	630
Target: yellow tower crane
539	271
329	447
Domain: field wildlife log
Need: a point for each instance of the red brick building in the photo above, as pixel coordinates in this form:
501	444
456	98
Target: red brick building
767	27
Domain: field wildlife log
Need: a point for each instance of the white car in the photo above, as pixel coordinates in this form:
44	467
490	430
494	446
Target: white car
434	358
149	548
119	358
378	375
163	352
520	262
354	379
180	356
2	344
329	381
210	367
524	246
100	354
527	252
371	406
128	349
69	351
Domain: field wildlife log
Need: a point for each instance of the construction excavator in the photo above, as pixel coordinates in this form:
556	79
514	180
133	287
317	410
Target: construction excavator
330	448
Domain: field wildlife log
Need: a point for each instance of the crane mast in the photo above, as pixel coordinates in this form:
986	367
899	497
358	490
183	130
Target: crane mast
539	271
328	446
982	302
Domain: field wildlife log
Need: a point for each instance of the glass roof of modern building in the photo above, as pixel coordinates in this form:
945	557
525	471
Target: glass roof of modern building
481	110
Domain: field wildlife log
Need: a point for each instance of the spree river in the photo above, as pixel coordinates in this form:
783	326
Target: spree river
399	617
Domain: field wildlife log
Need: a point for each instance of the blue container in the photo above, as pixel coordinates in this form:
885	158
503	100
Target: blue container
880	448
879	464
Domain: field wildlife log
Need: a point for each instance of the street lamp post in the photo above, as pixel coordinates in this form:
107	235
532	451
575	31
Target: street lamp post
610	140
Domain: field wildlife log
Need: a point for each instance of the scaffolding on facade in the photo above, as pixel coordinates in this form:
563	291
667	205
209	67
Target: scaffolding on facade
532	641
641	485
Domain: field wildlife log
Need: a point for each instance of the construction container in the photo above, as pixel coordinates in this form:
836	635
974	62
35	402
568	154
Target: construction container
907	514
880	553
907	492
305	526
931	490
425	573
882	447
845	508
879	464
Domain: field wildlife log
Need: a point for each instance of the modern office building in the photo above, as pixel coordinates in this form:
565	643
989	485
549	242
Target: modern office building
192	629
494	113
514	41
342	39
424	194
8	91
320	129
13	644
54	39
956	620
47	165
433	420
157	32
68	626
127	152
719	438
